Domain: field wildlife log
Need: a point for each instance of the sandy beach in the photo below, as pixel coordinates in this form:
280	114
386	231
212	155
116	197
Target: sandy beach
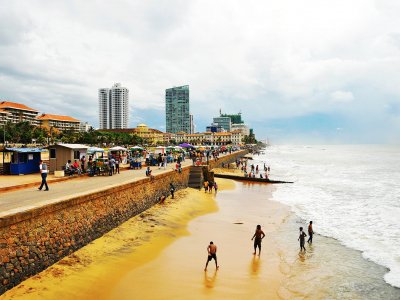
161	253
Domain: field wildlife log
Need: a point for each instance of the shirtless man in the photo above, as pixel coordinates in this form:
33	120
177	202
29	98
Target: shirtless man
258	235
212	253
310	233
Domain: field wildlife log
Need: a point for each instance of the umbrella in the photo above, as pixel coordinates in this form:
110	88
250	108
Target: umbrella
185	145
117	148
94	150
134	148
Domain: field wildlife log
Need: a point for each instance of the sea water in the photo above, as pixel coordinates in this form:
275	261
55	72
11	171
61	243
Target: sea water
350	192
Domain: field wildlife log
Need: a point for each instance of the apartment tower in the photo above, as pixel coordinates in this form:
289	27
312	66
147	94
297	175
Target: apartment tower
177	109
114	107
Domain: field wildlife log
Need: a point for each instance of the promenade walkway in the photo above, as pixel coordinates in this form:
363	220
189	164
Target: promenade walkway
16	201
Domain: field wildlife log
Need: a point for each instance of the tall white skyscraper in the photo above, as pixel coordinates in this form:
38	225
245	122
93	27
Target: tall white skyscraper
114	107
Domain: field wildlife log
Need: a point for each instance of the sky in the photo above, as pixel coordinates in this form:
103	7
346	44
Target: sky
314	71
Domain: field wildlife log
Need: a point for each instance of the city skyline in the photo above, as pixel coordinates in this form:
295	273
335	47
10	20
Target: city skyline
323	73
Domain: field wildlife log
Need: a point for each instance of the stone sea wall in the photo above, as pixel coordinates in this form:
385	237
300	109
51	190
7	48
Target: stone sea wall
33	240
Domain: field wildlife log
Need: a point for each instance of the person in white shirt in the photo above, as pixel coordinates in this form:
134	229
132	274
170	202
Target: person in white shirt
43	172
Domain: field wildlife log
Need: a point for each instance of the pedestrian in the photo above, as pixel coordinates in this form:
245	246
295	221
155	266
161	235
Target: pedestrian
258	236
310	233
210	186
160	161
212	254
83	160
165	161
117	162
111	164
301	238
43	172
215	187
205	184
172	190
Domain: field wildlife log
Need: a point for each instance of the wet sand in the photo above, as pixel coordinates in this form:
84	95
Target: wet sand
161	255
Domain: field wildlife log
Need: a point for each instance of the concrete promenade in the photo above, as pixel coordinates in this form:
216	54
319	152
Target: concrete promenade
16	201
25	199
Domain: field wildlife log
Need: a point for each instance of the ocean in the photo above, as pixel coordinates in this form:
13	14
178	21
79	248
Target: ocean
350	192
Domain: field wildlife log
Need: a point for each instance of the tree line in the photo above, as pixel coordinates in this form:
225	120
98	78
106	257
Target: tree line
26	133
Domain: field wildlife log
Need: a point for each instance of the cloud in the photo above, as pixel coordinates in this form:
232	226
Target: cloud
271	60
342	96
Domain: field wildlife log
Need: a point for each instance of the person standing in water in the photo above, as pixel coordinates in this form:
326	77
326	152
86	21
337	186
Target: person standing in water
258	236
212	254
310	233
301	238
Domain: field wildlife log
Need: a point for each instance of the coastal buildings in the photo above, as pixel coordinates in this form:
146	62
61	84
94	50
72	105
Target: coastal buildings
210	138
150	136
17	112
224	122
114	107
58	122
177	109
242	127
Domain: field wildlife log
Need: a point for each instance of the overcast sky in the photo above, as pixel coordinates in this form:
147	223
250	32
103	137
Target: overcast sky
299	71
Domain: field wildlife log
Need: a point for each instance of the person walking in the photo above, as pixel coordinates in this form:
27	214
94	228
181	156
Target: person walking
117	162
43	172
210	186
301	238
258	236
205	185
212	254
310	233
215	187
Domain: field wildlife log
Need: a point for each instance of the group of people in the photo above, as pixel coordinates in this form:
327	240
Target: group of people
303	235
208	186
258	236
74	168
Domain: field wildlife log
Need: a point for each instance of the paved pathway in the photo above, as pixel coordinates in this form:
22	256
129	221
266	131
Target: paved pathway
21	200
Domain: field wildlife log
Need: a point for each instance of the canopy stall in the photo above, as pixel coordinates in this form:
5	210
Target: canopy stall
23	160
61	153
119	153
94	150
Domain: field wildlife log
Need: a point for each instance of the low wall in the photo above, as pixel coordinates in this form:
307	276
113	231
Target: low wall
227	159
33	240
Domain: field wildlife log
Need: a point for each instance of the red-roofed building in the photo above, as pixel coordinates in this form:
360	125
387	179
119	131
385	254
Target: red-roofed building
59	122
4	116
19	112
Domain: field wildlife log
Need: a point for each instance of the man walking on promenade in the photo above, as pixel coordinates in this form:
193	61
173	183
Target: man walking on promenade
258	235
212	254
43	173
310	233
301	238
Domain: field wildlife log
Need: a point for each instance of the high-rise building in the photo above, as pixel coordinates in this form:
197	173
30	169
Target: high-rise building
114	107
104	96
177	109
235	118
192	130
224	122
